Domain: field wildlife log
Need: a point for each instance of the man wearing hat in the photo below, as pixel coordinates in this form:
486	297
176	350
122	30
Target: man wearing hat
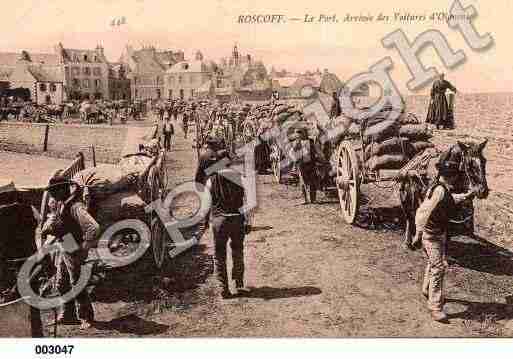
228	224
75	219
214	152
432	221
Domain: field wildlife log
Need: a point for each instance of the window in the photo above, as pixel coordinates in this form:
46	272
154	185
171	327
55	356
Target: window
42	87
97	71
86	83
98	83
86	58
170	94
75	82
87	71
75	71
53	88
179	79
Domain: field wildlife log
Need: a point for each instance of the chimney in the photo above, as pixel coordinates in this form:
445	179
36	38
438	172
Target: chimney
99	50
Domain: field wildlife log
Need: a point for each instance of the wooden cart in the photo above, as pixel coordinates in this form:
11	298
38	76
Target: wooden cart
152	187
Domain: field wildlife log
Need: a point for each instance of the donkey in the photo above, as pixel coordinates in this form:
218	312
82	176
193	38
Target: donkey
471	175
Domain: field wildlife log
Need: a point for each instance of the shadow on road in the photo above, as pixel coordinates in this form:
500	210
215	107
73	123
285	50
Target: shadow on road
132	324
142	282
381	218
269	293
479	311
260	228
480	255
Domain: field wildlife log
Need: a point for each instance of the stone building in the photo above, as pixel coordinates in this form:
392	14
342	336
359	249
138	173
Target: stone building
73	73
119	83
186	79
146	68
247	78
86	72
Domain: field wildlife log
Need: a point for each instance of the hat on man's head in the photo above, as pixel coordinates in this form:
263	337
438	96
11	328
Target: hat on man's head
58	185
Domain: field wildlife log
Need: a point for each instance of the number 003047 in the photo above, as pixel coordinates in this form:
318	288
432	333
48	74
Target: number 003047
53	349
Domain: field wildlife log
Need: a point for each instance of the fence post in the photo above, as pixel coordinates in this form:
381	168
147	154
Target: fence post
94	155
45	143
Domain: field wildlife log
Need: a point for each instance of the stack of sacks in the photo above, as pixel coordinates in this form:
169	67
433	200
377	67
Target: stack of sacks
104	180
113	190
136	164
118	206
389	144
283	112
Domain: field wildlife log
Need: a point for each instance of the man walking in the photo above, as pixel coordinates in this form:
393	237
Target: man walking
228	224
168	131
432	221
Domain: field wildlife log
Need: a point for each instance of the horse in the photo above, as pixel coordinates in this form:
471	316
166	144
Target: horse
471	165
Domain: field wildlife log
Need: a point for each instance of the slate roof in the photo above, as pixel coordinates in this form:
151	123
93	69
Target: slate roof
189	67
43	74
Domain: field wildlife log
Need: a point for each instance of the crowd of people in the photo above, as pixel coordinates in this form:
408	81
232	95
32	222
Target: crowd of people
220	128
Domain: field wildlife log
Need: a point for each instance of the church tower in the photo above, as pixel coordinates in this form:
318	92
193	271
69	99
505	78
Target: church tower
235	55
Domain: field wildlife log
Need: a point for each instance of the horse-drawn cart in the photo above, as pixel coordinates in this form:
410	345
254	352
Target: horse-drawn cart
150	187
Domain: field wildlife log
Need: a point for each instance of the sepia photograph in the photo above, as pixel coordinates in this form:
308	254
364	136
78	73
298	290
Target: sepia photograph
241	169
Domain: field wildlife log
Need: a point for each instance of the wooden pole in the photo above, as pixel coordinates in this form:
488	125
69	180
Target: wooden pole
45	142
94	155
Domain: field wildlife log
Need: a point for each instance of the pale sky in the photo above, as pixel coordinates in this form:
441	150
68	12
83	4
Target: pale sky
211	26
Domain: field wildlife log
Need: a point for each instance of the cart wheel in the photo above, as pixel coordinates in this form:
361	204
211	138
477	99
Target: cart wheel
159	238
275	161
348	181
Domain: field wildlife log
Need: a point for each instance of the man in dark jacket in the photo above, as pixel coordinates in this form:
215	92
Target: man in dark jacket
76	220
432	221
336	109
228	223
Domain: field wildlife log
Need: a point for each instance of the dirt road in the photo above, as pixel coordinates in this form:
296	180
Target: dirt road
309	275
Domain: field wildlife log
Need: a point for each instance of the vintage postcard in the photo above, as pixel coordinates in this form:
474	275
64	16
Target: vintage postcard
268	169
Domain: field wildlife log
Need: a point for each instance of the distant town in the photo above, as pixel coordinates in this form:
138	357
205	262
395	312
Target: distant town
67	74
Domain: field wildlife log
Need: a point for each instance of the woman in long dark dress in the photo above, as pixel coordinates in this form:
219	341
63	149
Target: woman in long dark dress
438	112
